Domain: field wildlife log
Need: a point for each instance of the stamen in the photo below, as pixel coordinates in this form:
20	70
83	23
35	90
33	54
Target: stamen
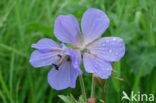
68	59
60	56
56	66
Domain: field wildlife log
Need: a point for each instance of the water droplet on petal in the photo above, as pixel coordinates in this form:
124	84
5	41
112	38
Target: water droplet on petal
116	54
107	69
103	44
121	44
107	41
110	51
114	39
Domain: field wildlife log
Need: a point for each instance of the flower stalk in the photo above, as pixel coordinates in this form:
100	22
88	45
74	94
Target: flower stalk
82	88
92	87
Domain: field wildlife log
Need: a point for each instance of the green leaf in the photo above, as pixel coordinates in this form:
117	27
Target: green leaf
127	31
81	99
69	99
66	99
73	99
145	59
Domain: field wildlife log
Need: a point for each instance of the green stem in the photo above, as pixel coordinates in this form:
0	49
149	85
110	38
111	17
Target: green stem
83	88
93	87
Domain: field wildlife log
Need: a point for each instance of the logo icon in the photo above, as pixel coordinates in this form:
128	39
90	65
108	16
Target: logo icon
137	96
125	96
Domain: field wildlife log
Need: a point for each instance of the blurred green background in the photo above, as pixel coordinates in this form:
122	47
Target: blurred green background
23	22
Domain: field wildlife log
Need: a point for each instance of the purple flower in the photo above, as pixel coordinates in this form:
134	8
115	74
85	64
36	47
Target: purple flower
65	61
97	53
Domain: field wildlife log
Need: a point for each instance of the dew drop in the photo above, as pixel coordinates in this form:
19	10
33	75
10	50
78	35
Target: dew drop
121	44
110	50
107	41
114	39
103	44
107	69
116	54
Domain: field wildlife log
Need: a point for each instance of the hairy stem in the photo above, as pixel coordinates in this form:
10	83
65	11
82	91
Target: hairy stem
83	88
93	87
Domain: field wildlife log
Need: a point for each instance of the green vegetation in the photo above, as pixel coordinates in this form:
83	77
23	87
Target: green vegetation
23	22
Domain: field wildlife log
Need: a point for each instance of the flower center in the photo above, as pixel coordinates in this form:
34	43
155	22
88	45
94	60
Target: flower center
85	50
63	58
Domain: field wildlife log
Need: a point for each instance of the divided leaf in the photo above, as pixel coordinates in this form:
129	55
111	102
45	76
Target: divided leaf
145	59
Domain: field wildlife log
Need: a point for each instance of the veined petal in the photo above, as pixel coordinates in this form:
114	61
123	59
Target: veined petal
108	48
75	58
39	59
67	29
64	77
45	45
97	66
93	24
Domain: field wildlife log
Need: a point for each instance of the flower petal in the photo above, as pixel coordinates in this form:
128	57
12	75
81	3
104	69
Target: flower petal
93	24
64	77
45	45
75	57
67	29
39	59
97	66
108	48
